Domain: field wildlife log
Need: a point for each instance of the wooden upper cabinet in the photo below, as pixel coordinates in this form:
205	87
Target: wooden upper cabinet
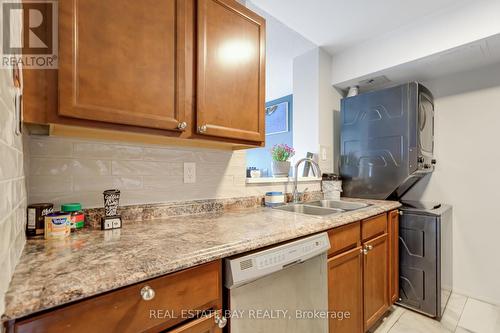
376	283
393	256
123	61
230	74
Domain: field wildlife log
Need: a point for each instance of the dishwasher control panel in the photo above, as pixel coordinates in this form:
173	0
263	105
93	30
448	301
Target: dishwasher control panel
250	267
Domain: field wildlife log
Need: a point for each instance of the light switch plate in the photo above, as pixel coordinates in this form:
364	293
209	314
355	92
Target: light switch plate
189	173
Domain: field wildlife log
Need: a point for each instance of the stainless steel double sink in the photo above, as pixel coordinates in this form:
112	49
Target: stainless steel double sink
323	207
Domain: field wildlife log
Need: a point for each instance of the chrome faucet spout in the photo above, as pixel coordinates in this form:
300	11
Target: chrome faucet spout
295	193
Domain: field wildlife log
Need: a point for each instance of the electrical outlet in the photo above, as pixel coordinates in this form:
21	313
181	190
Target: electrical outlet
324	153
189	173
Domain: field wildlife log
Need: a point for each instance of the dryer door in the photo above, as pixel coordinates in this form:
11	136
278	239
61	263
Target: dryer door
426	127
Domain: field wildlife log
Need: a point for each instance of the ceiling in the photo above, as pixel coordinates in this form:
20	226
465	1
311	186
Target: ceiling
339	24
475	55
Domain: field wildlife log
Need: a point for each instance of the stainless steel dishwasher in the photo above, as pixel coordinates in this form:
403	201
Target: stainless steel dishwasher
283	289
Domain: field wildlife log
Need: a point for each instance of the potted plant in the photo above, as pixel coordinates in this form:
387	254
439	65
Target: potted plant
281	154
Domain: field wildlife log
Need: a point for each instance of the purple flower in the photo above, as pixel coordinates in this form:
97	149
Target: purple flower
282	152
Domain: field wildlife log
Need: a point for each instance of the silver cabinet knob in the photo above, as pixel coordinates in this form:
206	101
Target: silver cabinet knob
369	247
365	251
221	321
147	293
202	129
182	125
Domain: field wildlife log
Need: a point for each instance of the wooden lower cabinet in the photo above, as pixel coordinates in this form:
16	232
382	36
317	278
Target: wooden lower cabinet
393	256
376	280
363	272
205	324
345	291
135	309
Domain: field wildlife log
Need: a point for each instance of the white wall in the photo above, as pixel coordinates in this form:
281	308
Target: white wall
306	103
329	116
439	32
315	101
467	139
282	46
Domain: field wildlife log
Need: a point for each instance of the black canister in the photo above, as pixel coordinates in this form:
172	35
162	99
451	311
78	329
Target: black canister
111	202
35	225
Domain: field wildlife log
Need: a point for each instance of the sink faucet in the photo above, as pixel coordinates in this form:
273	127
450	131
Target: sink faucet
295	193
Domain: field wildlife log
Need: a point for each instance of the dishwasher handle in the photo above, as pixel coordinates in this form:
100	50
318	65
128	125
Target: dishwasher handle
293	263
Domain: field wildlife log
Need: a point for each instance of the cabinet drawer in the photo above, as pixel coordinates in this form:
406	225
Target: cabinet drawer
125	310
344	238
373	227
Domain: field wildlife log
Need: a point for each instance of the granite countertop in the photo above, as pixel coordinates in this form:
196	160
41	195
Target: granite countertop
90	262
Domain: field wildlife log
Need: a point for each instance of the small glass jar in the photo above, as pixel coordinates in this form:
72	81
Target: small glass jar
77	215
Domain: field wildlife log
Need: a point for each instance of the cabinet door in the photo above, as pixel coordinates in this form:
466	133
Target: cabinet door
231	64
202	325
345	291
123	61
393	256
375	277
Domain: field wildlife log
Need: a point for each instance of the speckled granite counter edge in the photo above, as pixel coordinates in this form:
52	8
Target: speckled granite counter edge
147	212
17	306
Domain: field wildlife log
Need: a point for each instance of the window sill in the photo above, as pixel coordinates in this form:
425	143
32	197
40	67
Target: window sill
281	180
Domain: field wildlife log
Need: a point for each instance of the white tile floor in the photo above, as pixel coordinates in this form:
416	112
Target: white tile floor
462	315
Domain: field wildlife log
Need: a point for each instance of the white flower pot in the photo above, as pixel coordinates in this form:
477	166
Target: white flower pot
281	168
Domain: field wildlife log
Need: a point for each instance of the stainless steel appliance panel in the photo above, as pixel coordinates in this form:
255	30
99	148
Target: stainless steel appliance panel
386	141
426	260
287	281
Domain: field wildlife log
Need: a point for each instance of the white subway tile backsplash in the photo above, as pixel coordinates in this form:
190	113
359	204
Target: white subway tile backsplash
50	147
67	167
18	191
87	199
5	274
20	164
128	183
187	155
6	125
8	164
144	174
50	184
121	152
50	167
6	202
146	168
5	235
92	150
150	196
107	151
91	167
92	183
12	186
162	182
166	154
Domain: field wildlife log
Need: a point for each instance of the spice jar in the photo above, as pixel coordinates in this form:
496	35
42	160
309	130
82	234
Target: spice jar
77	216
